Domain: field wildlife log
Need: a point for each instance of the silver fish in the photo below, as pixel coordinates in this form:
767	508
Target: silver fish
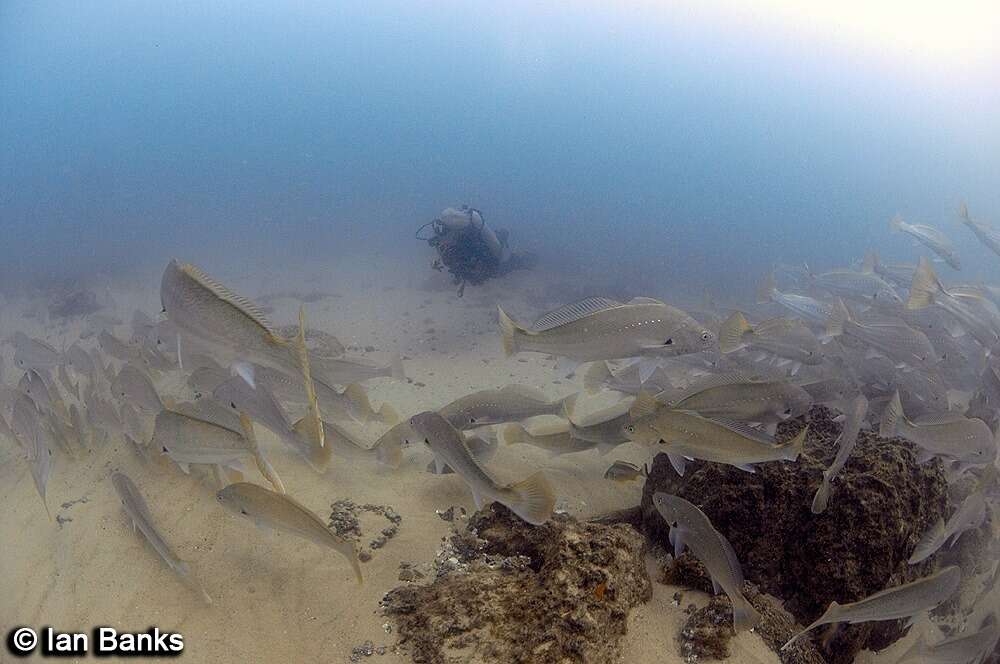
691	528
37	388
259	403
783	337
684	434
138	511
926	290
31	353
808	308
966	439
602	329
188	440
959	649
739	397
970	514
508	404
134	386
553	437
930	237
623	471
234	327
114	347
895	339
894	603
848	437
864	284
346	370
988	235
281	512
531	499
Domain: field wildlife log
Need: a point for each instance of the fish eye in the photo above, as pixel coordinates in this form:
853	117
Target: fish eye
668	342
706	335
788	411
232	405
244	512
472	420
426	442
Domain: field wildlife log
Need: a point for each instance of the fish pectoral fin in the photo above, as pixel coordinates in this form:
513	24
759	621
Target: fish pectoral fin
245	371
678	462
566	366
716	588
478	499
432	468
186	468
439	466
745	467
677	539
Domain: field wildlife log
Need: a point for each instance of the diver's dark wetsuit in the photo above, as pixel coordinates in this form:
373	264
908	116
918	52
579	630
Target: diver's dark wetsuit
465	253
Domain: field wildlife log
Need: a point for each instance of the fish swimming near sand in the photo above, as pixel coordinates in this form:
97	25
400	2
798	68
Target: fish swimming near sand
32	353
186	440
138	512
966	439
783	337
553	436
81	361
599	328
268	509
511	403
691	528
931	238
233	327
961	648
532	499
894	603
134	386
685	434
856	413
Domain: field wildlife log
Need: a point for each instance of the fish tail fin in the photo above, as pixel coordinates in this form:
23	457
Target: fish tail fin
596	376
869	262
963	213
797	444
891	416
732	331
896	223
352	556
389	452
397	371
841	314
745	615
645	404
317	456
359	400
569	405
263	465
388	414
930	542
508	332
303	354
924	287
821	499
512	434
532	499
765	291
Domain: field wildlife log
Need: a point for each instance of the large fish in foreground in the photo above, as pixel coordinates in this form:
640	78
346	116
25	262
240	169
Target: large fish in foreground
926	289
531	499
599	328
902	601
234	327
138	511
931	238
691	528
966	439
274	510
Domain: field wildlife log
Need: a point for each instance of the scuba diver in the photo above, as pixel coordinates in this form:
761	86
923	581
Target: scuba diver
469	249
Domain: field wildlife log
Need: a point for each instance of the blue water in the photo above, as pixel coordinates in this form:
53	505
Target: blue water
660	141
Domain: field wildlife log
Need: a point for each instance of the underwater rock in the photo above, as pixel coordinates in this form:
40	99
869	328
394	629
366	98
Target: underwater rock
507	591
882	502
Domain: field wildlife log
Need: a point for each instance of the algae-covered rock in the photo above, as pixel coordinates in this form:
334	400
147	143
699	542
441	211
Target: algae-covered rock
512	592
882	502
